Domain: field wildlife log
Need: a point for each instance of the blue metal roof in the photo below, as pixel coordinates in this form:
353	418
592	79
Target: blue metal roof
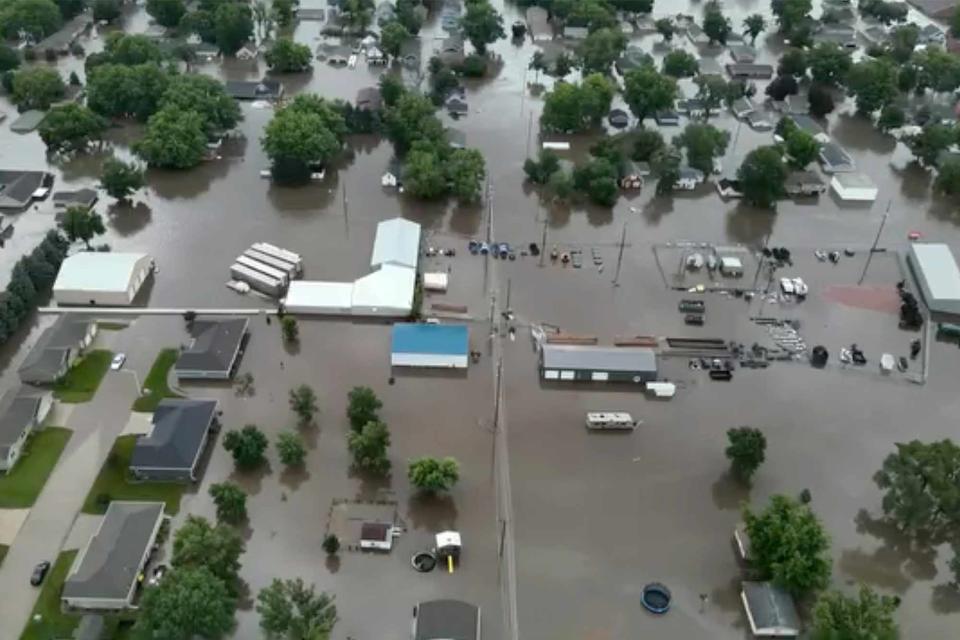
451	339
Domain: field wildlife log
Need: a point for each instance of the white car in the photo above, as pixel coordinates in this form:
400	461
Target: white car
117	363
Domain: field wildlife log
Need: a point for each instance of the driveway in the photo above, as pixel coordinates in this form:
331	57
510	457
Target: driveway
95	426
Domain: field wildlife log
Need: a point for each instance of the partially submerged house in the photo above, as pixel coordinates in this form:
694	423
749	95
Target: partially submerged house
214	353
770	610
538	24
172	450
632	58
742	53
630	176
795	105
667	118
368	99
939	9
456	106
750	71
85	198
22	411
57	348
248	51
758	121
840	35
692	107
573	32
456	138
696	36
742	107
28	121
446	620
60	41
804	183
834	159
17	188
854	187
106	573
808	125
254	90
101	278
689	178
709	67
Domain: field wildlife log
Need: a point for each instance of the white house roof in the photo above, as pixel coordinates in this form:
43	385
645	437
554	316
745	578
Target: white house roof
390	287
98	271
306	295
397	242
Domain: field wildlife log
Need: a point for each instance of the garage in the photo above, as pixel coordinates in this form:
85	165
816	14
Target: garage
97	278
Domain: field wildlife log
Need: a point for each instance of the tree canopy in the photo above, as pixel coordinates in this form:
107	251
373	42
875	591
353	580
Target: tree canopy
788	545
231	502
120	179
188	602
197	544
716	26
703	142
233	26
247	446
746	451
290	449
873	83
167	13
801	148
369	445
38	18
9	58
362	406
106	10
762	176
303	402
600	49
829	63
753	26
433	474
308	132
392	36
947	182
919	484
287	56
290	609
482	24
571	108
868	616
174	139
79	223
122	91
37	88
680	64
647	91
70	128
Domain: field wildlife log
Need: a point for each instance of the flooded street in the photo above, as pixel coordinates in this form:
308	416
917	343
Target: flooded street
595	516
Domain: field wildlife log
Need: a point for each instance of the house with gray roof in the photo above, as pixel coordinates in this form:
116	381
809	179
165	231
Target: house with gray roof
632	58
538	24
834	159
750	71
28	121
17	187
61	41
215	350
85	198
104	575
172	450
942	9
810	126
804	183
21	411
254	90
446	620
840	35
368	99
742	52
57	348
770	610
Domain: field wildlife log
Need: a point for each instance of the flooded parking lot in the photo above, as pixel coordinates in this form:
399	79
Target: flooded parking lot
595	516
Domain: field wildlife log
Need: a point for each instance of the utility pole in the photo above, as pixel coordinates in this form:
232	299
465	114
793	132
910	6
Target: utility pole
529	131
343	192
543	242
623	240
874	247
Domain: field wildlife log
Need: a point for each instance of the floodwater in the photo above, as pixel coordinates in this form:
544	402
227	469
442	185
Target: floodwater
594	517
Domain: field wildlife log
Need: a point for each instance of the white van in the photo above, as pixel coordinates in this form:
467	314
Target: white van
610	420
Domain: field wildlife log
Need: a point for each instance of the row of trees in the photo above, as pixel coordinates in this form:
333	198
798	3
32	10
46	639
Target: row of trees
36	18
226	23
31	279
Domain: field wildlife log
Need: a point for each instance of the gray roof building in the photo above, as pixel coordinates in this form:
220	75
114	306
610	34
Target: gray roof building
809	125
938	278
79	198
835	160
171	451
936	8
601	364
750	70
17	187
368	99
215	349
770	610
742	52
21	409
55	349
710	67
104	575
446	620
254	90
28	121
61	40
804	183
91	627
632	58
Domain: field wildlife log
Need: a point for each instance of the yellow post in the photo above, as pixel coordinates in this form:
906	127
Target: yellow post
450	564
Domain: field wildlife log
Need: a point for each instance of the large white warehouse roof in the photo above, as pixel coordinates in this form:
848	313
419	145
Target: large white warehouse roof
397	242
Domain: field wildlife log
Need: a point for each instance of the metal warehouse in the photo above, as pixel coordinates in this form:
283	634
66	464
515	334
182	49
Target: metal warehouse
430	345
597	364
938	278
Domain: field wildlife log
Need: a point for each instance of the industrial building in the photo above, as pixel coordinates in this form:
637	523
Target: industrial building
105	575
577	363
397	242
22	410
938	279
430	345
98	278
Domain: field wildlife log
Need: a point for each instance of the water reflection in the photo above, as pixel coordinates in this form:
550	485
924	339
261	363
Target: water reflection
728	493
432	512
858	133
127	218
749	225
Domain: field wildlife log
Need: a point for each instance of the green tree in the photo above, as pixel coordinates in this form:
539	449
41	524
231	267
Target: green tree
290	449
167	13
820	100
392	36
368	446
562	65
948	182
409	16
560	185
753	26
363	406
71	128
600	49
79	223
9	58
198	544
793	62
666	166
873	83
187	603
247	446
902	42
869	616
665	28
746	451
290	329
937	70
303	402
712	91
424	173
955	23
790	14
716	26
391	89
38	18
174	139
301	137
647	91
919	485
202	23
801	148
330	544
282	12
891	117
120	179
287	56
933	139
788	545
132	49
290	609
358	13
680	64
233	26
703	143
121	91
231	502
598	180
106	10
829	64
539	171
37	88
646	144
593	14
482	25
572	108
466	170
433	474
762	176
71	8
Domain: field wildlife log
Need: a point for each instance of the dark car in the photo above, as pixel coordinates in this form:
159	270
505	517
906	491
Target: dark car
39	573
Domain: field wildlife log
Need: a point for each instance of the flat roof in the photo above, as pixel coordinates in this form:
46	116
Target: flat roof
397	242
937	274
98	271
440	339
770	609
319	295
108	567
389	287
556	356
447	620
854	181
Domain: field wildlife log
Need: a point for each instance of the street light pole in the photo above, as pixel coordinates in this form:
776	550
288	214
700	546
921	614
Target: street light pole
623	240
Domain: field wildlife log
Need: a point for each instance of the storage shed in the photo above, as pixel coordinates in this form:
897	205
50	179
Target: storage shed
597	364
770	610
430	345
938	279
101	278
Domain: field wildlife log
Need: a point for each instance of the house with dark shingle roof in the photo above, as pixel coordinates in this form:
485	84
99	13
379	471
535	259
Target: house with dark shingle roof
770	610
105	575
171	451
56	349
17	188
215	350
254	90
21	411
85	198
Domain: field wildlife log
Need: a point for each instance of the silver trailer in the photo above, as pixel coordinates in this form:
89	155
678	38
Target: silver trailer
257	281
281	265
263	268
280	254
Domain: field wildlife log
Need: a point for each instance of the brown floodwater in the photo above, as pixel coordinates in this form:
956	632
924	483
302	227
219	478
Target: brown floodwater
594	517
